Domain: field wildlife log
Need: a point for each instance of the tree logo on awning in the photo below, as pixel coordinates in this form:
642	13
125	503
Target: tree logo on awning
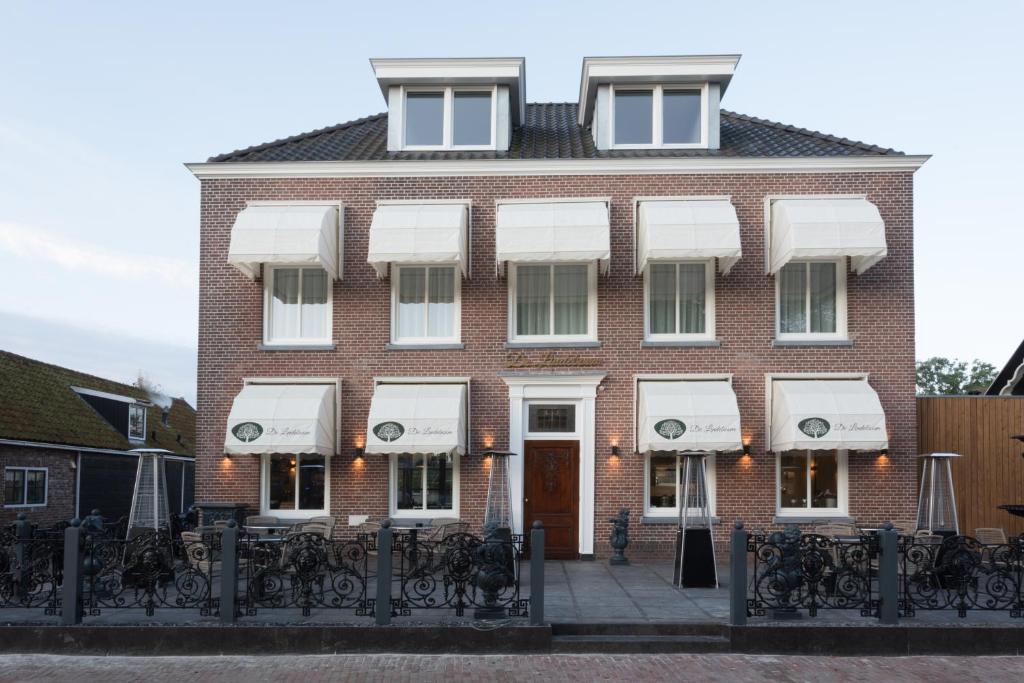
247	431
388	431
814	427
670	429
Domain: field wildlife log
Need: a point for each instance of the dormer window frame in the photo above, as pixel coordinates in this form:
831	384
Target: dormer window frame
448	118
657	113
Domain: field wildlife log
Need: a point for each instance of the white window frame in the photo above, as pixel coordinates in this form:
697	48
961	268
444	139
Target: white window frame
842	484
396	273
24	486
591	334
293	514
269	272
448	118
137	406
709	303
673	512
657	112
841	332
423	513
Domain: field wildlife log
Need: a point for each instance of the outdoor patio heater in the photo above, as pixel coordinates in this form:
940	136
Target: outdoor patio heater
498	511
150	510
936	502
695	549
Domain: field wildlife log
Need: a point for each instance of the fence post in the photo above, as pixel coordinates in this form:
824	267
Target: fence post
228	572
738	575
71	591
382	606
22	535
888	575
537	574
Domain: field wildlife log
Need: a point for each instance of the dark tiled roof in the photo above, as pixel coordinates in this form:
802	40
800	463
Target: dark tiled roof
38	404
551	132
1007	374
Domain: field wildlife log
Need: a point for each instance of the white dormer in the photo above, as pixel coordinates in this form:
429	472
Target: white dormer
452	104
654	102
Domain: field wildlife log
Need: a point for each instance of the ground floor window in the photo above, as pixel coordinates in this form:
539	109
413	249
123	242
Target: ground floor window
424	483
24	486
812	480
296	482
664	472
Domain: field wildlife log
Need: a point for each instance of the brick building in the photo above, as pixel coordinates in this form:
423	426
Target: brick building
596	286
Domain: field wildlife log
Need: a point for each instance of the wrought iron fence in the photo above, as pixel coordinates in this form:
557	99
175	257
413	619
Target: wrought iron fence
809	572
304	571
960	573
459	571
31	571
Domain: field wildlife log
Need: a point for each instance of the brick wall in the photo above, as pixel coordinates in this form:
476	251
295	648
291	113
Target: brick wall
881	325
60	499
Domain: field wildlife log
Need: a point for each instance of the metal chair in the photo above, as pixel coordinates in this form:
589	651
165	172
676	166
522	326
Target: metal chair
260	520
990	536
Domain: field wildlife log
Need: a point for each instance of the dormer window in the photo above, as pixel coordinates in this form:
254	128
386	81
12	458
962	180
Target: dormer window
137	422
449	118
662	116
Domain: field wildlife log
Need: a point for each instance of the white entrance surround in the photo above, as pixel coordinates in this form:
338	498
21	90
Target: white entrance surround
579	389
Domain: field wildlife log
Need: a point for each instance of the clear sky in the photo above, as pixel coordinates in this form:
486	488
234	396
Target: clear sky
101	103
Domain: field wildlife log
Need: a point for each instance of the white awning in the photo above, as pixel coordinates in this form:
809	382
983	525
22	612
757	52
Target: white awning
417	418
297	234
688	229
553	231
418	233
687	416
825	415
826	228
282	418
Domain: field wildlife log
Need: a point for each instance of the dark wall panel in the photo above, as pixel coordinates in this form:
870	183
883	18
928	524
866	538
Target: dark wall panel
107	483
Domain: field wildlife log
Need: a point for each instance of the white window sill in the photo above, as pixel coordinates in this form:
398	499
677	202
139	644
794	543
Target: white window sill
679	343
424	346
414	517
811	342
295	515
661	519
804	518
318	346
553	344
24	506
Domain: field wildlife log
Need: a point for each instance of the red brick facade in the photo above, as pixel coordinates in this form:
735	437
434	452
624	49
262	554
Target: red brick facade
880	321
60	498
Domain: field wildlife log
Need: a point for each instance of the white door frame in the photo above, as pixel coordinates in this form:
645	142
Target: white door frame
580	389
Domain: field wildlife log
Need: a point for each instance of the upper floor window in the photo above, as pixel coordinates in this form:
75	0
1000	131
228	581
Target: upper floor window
811	300
680	300
426	305
553	302
660	116
446	118
298	306
137	422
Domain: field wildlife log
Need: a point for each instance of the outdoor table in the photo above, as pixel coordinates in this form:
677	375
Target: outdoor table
273	529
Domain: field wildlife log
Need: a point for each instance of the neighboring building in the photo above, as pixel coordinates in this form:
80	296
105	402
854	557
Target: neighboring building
1009	380
383	300
66	440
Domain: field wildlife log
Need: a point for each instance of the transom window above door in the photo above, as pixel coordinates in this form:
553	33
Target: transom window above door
553	302
680	301
811	300
298	306
447	118
426	308
551	418
662	116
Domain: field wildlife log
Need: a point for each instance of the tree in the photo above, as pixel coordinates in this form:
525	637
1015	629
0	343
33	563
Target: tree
939	376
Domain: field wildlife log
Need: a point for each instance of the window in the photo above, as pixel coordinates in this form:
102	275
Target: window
680	300
812	480
426	305
556	302
664	472
136	422
24	486
447	118
295	483
661	116
554	417
424	483
812	299
298	309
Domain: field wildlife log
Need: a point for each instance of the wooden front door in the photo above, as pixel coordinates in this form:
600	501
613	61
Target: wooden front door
551	494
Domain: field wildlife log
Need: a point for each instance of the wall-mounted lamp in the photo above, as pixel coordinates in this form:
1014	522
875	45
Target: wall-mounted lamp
359	452
746	449
615	451
227	456
884	453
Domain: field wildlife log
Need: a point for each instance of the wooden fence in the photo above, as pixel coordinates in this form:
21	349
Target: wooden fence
991	473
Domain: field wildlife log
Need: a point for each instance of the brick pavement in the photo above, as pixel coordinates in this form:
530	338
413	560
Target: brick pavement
413	668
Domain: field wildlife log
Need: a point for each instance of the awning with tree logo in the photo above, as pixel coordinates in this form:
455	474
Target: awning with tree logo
687	229
826	229
687	416
282	418
823	414
292	234
419	233
417	418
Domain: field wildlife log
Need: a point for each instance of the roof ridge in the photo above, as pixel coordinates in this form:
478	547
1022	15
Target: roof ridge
298	136
812	133
84	375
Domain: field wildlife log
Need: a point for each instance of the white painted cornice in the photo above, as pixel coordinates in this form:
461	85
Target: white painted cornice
555	167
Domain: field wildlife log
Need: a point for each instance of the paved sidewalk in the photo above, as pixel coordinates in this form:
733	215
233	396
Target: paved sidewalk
418	669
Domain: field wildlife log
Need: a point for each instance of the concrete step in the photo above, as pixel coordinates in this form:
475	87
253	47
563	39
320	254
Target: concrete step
640	629
638	644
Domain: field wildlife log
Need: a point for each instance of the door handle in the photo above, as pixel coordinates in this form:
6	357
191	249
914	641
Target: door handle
526	500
